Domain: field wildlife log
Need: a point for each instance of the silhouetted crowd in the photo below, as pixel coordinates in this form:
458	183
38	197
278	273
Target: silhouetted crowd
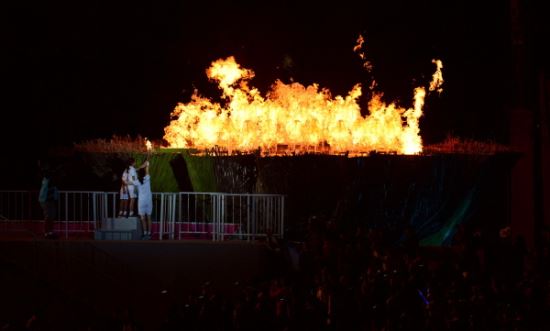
356	278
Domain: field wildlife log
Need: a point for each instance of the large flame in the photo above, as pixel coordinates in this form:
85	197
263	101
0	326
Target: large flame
293	118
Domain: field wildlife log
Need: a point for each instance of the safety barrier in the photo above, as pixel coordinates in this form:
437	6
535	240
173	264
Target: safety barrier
176	215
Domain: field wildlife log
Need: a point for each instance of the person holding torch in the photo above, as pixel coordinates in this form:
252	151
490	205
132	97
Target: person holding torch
145	199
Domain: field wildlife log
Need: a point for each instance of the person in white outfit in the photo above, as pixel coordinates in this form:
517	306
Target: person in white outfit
123	207
128	189
145	199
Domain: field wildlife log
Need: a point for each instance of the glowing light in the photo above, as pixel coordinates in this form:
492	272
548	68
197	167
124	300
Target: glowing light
437	77
359	49
293	118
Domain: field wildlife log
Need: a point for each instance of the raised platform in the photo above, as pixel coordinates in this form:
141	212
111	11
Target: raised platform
110	229
119	228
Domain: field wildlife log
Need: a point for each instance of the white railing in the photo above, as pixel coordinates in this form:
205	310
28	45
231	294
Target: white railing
245	216
218	216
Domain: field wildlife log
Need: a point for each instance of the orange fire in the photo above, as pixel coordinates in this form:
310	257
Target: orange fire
148	145
293	118
437	78
359	49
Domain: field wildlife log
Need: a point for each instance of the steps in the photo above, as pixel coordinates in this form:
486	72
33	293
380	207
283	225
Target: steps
119	228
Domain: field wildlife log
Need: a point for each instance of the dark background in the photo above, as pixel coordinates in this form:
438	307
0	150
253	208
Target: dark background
75	70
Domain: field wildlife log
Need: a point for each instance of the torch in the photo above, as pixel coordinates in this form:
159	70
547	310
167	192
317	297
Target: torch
149	147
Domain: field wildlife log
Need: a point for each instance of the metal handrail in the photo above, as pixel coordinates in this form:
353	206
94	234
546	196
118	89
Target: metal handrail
177	214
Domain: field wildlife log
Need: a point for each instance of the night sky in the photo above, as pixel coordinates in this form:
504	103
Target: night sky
74	70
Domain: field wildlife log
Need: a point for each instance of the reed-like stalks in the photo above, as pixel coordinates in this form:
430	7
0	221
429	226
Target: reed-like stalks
128	144
116	144
456	145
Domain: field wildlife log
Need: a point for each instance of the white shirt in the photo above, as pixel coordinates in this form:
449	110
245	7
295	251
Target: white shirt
145	199
130	176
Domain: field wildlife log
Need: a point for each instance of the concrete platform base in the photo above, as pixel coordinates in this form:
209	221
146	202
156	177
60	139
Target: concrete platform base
120	228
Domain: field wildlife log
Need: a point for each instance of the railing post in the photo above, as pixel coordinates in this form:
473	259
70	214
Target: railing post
172	215
66	215
29	206
282	216
254	218
102	207
215	217
94	214
218	217
179	204
161	230
248	230
270	211
222	216
214	204
114	206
